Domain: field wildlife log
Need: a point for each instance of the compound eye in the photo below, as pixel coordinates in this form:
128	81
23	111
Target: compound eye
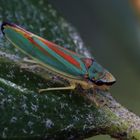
99	82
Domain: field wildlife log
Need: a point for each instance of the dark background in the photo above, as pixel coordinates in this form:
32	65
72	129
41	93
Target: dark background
111	32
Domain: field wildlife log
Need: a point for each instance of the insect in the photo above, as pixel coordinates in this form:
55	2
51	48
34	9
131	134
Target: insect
77	69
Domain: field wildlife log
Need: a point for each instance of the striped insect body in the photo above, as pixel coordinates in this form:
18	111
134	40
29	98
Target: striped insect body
77	69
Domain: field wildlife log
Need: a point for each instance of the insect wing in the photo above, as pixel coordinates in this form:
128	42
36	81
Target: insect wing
46	53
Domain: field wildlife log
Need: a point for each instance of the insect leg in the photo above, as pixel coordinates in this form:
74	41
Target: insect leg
71	87
30	61
29	64
95	100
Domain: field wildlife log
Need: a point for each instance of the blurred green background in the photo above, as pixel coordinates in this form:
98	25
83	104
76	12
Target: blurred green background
111	31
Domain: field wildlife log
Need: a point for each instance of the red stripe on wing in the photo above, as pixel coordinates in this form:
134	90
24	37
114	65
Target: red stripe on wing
61	53
52	46
33	42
